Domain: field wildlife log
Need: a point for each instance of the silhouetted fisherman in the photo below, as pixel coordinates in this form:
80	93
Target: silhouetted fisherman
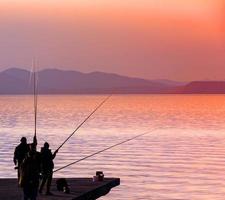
20	152
47	167
30	173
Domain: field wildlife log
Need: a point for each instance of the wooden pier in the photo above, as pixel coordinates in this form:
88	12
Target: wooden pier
80	189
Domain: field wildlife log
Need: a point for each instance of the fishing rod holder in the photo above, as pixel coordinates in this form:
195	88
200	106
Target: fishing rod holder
99	176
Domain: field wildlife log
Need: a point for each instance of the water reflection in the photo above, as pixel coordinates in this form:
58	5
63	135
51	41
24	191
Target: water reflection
185	161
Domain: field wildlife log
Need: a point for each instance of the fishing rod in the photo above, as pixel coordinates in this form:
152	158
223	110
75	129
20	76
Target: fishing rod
35	96
98	152
78	127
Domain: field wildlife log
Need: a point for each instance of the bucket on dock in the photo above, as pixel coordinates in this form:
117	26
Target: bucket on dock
62	185
99	176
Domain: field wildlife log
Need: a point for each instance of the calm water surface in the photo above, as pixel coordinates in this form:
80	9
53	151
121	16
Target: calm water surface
184	158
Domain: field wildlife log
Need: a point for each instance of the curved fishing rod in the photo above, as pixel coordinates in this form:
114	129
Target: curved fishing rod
98	152
78	127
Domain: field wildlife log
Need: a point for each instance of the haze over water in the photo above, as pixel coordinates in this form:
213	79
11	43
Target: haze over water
182	159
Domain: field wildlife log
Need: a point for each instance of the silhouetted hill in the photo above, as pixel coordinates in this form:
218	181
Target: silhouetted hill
54	81
13	85
203	87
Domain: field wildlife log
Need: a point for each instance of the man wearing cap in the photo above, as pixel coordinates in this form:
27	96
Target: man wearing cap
20	152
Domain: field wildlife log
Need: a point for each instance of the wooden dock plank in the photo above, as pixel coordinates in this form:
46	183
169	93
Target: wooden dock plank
81	189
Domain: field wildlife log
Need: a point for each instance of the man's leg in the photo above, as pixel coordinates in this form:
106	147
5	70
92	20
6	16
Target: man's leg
18	171
34	193
43	181
49	182
26	192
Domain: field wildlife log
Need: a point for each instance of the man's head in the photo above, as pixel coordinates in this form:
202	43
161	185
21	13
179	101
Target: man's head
23	140
46	145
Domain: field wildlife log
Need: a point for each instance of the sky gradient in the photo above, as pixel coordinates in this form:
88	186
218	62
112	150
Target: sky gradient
172	39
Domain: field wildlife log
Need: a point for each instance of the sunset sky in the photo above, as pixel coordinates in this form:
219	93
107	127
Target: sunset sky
173	39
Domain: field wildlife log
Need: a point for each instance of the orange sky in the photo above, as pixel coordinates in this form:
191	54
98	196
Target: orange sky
174	39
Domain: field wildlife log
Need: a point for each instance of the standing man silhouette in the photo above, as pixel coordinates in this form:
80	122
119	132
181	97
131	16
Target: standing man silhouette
47	167
30	173
20	153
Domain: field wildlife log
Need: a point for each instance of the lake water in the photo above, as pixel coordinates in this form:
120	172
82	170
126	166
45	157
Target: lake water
183	158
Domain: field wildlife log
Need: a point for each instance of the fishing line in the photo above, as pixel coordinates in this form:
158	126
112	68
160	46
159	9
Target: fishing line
78	127
98	152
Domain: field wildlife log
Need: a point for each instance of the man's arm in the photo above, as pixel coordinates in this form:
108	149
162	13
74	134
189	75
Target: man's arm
15	157
35	140
54	154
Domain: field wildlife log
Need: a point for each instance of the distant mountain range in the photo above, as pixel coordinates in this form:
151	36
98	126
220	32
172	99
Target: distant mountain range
54	81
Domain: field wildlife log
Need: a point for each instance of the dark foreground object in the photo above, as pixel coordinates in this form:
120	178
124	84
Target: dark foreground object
80	189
